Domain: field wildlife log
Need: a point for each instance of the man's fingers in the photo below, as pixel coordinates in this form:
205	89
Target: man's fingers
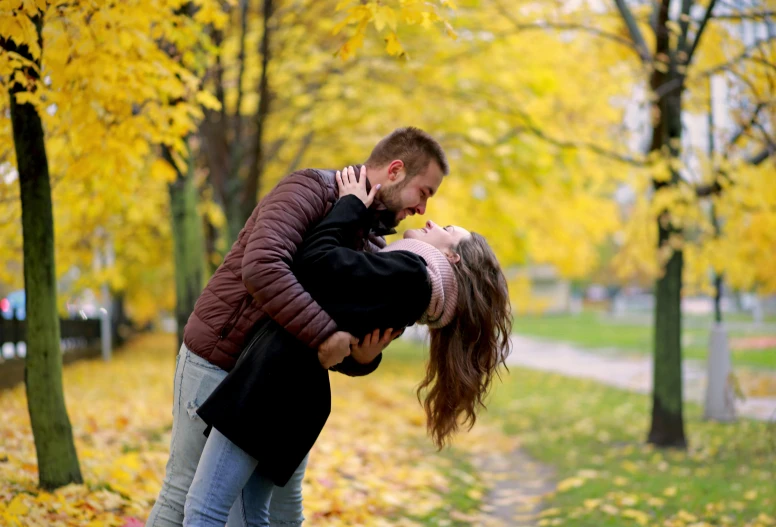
388	337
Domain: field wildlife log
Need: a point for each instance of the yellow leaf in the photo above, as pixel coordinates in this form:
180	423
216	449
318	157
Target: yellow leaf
162	171
642	518
481	135
208	100
750	495
570	483
475	494
686	516
765	519
392	45
17	507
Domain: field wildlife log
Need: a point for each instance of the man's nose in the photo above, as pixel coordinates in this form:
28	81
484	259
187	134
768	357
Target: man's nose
421	209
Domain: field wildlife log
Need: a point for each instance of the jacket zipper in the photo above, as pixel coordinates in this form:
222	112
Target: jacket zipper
235	317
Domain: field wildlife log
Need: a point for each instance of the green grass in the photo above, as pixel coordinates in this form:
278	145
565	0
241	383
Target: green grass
594	436
597	331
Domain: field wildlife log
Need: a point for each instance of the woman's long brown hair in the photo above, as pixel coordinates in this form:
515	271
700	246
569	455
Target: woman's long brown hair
466	353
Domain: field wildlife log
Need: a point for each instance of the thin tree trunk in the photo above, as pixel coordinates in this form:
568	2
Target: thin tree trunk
188	243
667	428
253	183
54	446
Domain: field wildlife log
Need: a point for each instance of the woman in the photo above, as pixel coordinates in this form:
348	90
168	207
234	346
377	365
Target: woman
268	412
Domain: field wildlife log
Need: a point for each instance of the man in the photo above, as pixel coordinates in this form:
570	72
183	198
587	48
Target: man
255	281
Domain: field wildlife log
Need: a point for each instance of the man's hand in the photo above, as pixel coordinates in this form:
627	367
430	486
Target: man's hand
372	345
335	348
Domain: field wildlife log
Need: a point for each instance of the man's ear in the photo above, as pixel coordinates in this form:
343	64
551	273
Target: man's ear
395	170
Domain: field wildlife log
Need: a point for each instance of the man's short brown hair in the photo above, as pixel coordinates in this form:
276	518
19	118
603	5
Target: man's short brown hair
413	146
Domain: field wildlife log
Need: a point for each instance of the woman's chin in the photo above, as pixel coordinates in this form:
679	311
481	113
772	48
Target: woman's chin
410	234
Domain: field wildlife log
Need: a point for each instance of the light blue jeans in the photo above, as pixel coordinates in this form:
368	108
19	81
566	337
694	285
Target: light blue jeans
225	474
195	380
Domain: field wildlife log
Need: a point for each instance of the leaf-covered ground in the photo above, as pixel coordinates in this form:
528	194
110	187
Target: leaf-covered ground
373	464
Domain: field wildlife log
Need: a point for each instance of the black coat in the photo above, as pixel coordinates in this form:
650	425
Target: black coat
276	400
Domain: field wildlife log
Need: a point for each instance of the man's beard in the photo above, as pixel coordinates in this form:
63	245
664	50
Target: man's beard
391	198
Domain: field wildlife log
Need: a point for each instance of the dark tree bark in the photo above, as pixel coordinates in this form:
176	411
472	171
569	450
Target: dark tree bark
667	428
54	446
188	242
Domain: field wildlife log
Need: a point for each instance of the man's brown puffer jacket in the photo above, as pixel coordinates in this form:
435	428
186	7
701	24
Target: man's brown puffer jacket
255	279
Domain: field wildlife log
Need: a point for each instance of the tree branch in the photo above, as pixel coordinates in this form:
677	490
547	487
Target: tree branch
635	32
564	26
755	15
237	150
764	154
741	56
699	33
744	128
684	25
257	159
307	140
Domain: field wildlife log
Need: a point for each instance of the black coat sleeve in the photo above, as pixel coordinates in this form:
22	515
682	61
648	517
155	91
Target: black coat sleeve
328	266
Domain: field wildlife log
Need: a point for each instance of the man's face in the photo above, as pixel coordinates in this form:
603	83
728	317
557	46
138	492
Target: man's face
407	197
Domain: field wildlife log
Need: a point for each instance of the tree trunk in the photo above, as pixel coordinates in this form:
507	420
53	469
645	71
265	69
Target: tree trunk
667	420
188	244
667	427
257	159
54	446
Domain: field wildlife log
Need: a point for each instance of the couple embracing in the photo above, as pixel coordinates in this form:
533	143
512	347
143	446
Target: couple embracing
311	286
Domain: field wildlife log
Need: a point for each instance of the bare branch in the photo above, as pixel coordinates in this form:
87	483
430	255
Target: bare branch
564	26
256	168
684	25
304	144
745	54
635	32
744	128
699	33
771	144
755	15
764	154
237	149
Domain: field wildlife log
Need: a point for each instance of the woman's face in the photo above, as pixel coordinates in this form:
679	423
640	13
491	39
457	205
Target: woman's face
443	238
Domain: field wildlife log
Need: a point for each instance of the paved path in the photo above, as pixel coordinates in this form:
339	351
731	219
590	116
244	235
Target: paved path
521	483
630	372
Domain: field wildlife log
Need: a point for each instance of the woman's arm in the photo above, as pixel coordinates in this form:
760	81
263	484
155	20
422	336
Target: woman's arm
337	230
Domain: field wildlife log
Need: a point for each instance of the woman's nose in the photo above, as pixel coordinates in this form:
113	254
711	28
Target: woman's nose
429	224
